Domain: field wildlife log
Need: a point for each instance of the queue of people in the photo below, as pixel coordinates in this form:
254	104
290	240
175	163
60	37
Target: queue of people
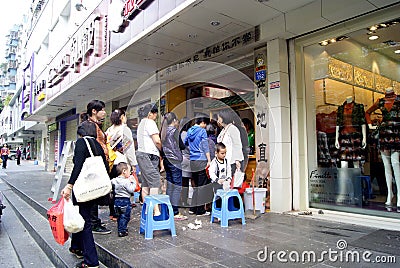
186	149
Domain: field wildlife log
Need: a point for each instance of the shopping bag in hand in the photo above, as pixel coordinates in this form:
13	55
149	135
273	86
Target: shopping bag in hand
55	216
73	221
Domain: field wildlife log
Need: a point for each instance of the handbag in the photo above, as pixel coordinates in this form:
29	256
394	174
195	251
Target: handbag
55	216
238	179
73	221
93	180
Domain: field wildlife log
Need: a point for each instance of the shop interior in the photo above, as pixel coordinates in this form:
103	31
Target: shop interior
358	67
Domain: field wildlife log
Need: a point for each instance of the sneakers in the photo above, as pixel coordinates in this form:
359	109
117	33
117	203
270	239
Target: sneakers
180	217
101	230
122	234
77	252
83	265
204	214
191	212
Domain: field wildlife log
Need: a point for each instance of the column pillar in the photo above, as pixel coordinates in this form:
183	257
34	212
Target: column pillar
279	126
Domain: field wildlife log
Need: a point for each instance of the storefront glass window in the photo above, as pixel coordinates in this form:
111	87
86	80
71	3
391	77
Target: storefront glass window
353	105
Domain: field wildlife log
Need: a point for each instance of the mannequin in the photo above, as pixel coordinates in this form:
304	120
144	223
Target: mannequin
351	135
389	140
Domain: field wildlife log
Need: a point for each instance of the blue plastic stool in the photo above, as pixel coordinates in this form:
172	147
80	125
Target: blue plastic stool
148	224
227	211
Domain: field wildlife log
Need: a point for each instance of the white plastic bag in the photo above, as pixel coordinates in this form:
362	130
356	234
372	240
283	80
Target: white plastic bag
73	221
238	179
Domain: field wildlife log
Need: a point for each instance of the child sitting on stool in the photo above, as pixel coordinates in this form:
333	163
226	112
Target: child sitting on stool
124	186
219	170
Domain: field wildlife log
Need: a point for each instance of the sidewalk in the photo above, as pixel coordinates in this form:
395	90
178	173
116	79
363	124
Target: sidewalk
236	246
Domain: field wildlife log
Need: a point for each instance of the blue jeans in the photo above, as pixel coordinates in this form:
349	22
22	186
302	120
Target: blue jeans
174	183
123	209
84	239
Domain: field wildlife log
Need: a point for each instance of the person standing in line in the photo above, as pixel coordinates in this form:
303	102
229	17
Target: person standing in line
172	158
18	156
185	124
120	138
4	155
82	243
230	136
197	141
148	152
95	114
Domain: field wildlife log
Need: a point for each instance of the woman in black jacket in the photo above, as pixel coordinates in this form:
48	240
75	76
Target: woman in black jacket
82	243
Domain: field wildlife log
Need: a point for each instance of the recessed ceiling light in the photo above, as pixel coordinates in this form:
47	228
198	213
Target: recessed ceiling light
147	59
192	35
159	53
215	23
174	44
324	43
397	51
373	37
373	28
122	72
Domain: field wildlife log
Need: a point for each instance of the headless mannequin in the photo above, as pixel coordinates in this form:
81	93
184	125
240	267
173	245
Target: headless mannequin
356	164
344	184
390	157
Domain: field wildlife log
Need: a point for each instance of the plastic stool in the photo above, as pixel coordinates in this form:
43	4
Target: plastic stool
148	224
227	211
368	191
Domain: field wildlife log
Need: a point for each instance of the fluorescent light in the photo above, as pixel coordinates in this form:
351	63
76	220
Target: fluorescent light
397	51
373	37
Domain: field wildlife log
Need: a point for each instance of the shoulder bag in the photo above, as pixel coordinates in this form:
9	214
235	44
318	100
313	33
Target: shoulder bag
93	180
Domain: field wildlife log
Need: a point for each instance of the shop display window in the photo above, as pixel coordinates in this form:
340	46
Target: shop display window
353	107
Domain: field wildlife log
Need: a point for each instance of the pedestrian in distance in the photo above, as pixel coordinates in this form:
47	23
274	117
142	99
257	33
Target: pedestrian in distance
19	153
148	152
124	186
197	141
172	158
120	139
82	243
95	114
4	155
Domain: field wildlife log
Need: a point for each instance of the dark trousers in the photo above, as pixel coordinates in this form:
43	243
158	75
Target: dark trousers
18	160
4	158
174	183
185	191
94	216
123	209
200	191
84	239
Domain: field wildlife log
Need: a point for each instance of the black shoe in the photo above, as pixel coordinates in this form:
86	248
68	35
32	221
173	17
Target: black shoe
83	265
101	230
77	252
122	234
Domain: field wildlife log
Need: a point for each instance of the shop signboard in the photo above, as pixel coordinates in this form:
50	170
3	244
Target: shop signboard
85	49
240	40
335	186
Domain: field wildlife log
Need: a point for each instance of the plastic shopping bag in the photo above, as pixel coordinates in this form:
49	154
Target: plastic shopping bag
238	179
55	216
73	221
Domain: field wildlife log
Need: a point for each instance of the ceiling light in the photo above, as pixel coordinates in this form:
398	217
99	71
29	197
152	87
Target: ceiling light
384	25
174	44
397	51
215	23
159	53
92	89
373	28
373	37
333	40
192	35
147	59
324	43
122	72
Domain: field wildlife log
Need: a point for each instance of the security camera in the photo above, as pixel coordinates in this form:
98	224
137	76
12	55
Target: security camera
80	6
